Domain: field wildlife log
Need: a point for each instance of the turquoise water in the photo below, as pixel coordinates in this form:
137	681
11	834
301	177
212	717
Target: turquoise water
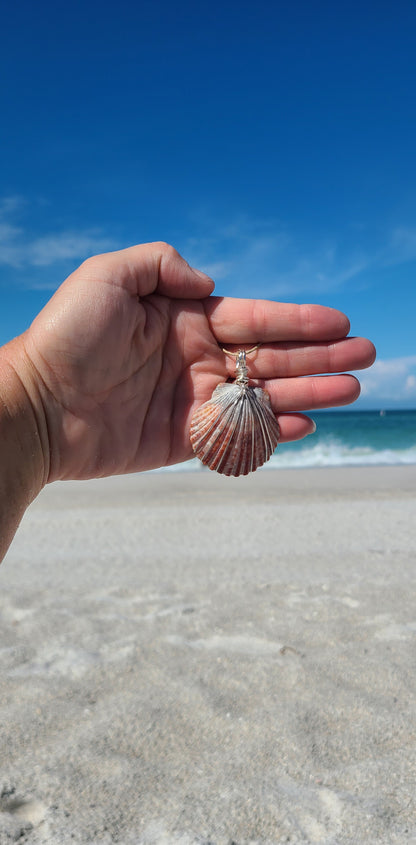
345	438
354	438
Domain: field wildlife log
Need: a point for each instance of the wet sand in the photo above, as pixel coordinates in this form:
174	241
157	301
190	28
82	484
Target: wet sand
186	658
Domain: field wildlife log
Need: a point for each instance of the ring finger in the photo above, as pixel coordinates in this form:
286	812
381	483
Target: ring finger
308	393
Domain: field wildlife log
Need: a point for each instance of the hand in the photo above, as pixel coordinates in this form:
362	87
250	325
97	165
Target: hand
130	345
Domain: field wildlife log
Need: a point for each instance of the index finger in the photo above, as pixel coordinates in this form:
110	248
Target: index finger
261	320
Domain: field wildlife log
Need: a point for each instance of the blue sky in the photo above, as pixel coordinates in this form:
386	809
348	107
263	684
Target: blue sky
272	143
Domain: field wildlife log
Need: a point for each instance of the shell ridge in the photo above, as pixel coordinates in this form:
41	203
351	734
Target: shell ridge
267	422
263	421
209	413
236	413
240	447
260	437
235	431
267	419
237	451
213	455
228	457
207	425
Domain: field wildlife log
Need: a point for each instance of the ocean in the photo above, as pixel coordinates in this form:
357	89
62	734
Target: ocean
346	438
353	438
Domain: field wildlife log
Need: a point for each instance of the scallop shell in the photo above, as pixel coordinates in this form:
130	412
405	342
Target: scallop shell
235	432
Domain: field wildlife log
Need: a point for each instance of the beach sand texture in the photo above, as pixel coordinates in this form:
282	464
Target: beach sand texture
187	658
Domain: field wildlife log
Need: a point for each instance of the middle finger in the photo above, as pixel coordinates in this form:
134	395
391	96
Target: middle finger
296	359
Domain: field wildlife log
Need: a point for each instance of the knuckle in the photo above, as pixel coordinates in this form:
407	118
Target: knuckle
166	250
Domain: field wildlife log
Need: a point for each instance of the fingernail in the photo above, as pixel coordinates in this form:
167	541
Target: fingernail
314	427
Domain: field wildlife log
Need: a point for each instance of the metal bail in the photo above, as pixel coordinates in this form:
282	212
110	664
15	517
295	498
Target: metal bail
241	370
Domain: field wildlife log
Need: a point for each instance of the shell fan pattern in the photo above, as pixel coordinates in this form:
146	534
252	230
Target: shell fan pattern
235	432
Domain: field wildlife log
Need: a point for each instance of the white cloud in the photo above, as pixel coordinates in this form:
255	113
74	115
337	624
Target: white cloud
410	385
218	269
11	205
402	245
262	256
50	249
390	380
248	256
19	250
9	238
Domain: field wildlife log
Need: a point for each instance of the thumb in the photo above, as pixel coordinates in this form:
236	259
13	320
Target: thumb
150	268
178	279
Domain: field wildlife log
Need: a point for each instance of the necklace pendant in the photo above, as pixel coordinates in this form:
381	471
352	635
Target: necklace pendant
236	431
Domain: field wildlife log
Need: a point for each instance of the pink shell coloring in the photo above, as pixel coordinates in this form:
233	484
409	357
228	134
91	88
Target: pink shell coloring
235	432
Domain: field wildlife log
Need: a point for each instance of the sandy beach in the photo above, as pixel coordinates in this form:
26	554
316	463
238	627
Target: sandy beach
187	658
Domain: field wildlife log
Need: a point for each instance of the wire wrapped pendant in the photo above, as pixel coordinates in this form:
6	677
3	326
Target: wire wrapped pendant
236	431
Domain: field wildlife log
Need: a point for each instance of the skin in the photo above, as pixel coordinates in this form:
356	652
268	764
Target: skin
107	377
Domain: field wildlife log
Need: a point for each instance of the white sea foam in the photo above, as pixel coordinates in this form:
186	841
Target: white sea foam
329	454
345	439
335	453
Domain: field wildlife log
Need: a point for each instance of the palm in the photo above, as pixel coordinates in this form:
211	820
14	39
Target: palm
120	375
119	394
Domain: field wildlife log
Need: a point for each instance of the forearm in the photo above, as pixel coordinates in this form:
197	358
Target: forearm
22	442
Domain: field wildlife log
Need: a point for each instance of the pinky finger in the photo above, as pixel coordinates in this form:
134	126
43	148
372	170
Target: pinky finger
294	427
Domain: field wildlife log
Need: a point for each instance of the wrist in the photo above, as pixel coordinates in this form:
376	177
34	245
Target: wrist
24	448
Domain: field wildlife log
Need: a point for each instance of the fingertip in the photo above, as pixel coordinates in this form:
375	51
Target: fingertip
323	322
178	279
204	279
341	323
367	353
372	353
355	393
295	426
345	323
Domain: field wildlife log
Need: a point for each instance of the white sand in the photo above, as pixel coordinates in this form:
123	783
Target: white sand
191	659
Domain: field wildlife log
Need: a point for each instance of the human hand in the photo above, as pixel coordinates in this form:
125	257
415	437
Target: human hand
130	345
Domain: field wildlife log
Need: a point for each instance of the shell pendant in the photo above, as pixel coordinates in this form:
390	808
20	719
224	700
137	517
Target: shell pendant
235	432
